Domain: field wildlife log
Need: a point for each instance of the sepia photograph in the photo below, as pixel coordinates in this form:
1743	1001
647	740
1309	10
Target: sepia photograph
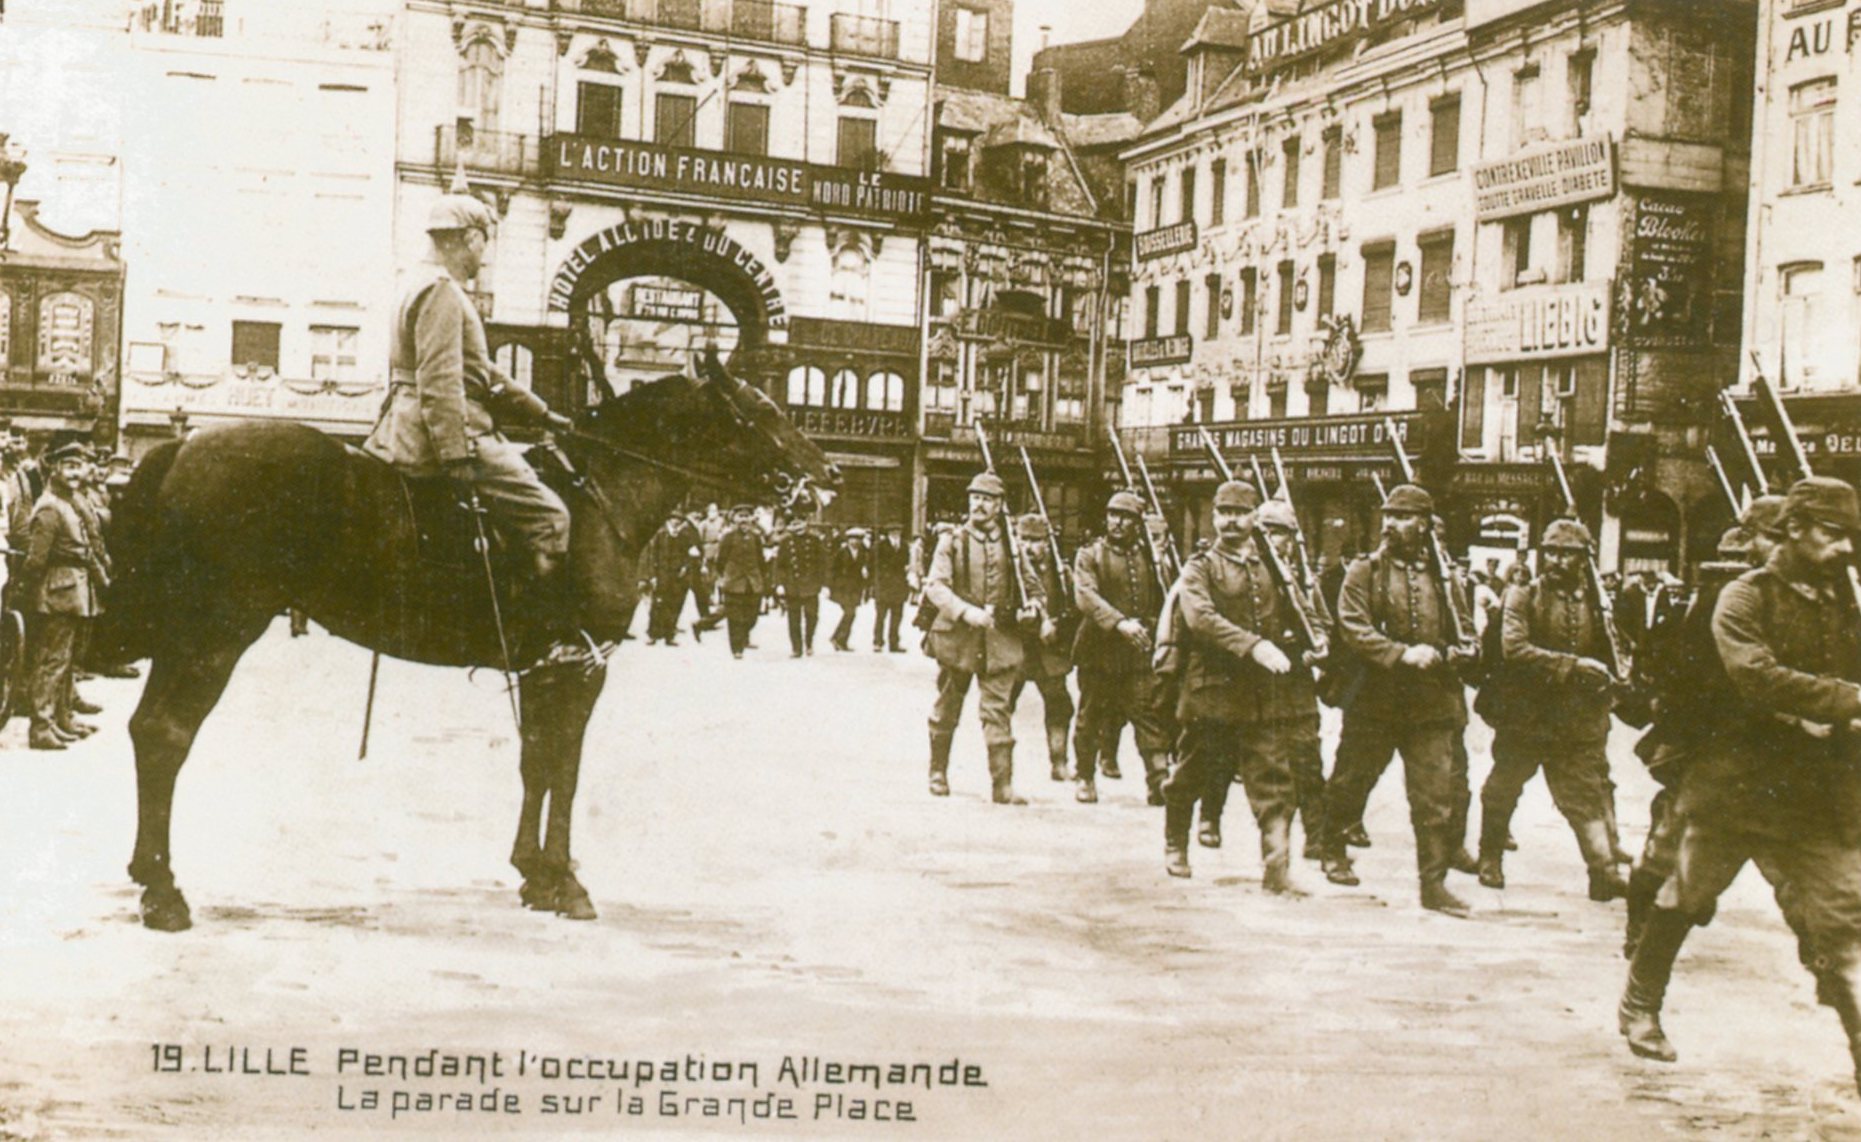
713	569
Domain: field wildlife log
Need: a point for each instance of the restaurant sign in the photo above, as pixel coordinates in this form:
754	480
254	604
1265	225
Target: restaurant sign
757	178
1561	174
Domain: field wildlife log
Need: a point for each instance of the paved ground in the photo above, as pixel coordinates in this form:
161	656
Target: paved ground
775	883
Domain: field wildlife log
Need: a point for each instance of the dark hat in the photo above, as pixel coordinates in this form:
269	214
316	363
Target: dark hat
1408	499
1278	513
1032	528
1763	514
1567	533
1825	501
988	484
1234	494
1126	502
70	450
743	509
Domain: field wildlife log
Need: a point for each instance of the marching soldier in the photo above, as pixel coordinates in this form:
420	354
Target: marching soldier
800	573
1555	713
1393	616
1048	652
1246	702
742	577
975	637
1116	584
62	577
1782	791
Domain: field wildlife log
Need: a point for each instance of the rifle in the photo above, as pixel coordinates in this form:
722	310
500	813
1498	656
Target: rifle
1798	456
1169	537
1725	481
1053	536
1437	554
1376	480
1117	447
1024	597
1593	579
1744	438
1276	566
1298	533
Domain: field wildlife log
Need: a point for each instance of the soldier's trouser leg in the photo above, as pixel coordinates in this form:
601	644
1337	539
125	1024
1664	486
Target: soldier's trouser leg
516	499
1572	771
1207	757
1153	727
1639	1013
995	704
52	659
1214	804
1057	710
1463	796
1515	763
1088	729
1365	749
1428	774
946	710
1266	768
1658	854
1308	781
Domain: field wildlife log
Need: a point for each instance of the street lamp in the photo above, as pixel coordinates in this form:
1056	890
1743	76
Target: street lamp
12	166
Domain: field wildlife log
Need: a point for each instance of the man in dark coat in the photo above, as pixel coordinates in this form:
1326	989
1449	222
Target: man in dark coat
670	566
800	572
1248	700
61	579
1117	587
742	577
1394	616
846	583
1552	711
1784	790
890	567
976	637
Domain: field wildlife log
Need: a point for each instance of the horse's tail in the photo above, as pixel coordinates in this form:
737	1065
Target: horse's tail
135	598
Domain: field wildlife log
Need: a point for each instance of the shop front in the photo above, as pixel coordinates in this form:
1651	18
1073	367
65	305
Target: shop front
1071	482
60	327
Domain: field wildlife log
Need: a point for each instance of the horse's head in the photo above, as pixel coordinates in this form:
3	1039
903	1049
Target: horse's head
721	430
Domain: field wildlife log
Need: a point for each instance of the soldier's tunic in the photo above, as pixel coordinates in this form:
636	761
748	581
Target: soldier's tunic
1770	792
742	579
801	572
1046	663
63	578
1236	715
1549	717
971	568
1385	606
1116	681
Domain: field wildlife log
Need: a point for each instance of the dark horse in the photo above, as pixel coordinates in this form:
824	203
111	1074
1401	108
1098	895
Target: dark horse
215	535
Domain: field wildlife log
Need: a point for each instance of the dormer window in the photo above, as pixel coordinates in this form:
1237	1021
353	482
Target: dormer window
1033	177
954	154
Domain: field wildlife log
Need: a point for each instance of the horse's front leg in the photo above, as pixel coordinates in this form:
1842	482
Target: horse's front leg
557	705
526	853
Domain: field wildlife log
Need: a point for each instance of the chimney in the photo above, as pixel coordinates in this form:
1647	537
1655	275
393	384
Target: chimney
1043	92
1142	97
1046	36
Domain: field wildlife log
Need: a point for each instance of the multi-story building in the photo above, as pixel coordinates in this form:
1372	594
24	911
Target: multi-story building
1022	262
1506	227
671	175
1803	259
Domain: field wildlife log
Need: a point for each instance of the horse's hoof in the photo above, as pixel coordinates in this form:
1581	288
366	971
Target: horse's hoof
540	894
165	910
572	901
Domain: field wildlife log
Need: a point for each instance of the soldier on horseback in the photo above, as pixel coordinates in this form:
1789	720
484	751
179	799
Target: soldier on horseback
447	399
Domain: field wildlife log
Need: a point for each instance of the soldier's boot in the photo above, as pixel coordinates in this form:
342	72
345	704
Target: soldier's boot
1619	854
1214	804
1495	826
1337	863
43	736
940	764
1056	753
1276	856
1176	821
1643	886
1156	768
1312	821
1606	880
1431	857
1839	986
1458	858
1357	837
1639	1013
1108	753
1002	774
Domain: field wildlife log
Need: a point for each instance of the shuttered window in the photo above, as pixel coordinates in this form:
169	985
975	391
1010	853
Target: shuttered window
1444	136
1388	150
1379	271
1472	408
1437	268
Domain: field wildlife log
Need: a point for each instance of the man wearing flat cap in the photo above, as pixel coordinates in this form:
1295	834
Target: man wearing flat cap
1694	702
1248	701
1783	790
61	579
1555	713
446	400
1394	618
976	637
1116	585
1048	654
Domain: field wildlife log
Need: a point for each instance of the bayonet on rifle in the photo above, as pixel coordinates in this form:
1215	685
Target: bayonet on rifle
1593	578
1437	554
1024	597
1276	566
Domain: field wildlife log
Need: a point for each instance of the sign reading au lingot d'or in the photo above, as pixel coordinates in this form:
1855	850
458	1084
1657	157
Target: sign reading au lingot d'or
1326	27
1545	178
1543	321
755	178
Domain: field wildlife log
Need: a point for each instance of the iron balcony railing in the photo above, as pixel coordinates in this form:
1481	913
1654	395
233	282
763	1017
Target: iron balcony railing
486	152
765	20
863	35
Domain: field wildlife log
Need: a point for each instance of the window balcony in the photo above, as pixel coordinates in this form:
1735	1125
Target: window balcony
765	20
863	35
486	152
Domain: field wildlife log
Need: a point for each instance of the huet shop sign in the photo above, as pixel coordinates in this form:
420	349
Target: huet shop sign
755	178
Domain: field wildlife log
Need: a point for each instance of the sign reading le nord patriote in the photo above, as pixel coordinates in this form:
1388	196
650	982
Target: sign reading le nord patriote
757	178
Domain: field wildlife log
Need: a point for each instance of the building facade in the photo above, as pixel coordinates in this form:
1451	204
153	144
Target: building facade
1509	227
672	175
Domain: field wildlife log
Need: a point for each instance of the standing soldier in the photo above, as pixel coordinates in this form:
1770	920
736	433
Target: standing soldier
61	578
1048	648
846	583
1248	703
1783	790
975	637
1394	617
1117	586
891	586
1554	713
741	576
800	571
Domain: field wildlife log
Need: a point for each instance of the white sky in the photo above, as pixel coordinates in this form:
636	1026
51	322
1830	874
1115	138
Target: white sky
1071	20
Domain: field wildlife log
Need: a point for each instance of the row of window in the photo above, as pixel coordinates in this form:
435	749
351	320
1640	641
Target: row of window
257	346
810	387
746	124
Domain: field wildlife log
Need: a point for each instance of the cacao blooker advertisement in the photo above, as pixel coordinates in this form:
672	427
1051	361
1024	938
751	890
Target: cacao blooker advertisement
1667	293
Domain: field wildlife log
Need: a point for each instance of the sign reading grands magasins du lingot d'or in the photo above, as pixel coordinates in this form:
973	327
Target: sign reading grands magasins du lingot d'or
755	178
